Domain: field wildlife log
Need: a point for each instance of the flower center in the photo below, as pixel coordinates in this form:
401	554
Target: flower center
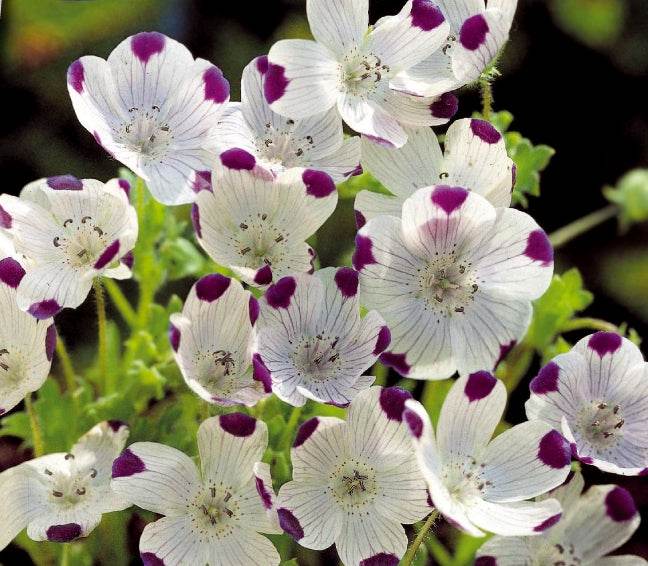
216	368
464	479
70	484
561	555
601	423
281	147
317	357
82	241
145	134
353	484
447	285
215	512
258	241
11	367
363	73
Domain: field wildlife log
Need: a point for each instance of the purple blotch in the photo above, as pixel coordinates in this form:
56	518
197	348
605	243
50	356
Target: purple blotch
378	140
238	159
396	361
383	340
75	76
127	464
201	181
392	402
11	272
539	248
360	219
346	280
604	343
263	276
5	219
261	63
146	44
253	310
290	524
547	523
115	425
128	259
63	533
195	219
426	15
415	425
485	131
174	337
150	559
279	294
275	82
363	254
547	379
108	255
237	424
50	342
486	561
305	431
211	287
473	32
554	451
264	494
217	88
449	198
124	185
479	385
619	505
504	351
44	309
446	106
318	184
260	372
357	170
65	183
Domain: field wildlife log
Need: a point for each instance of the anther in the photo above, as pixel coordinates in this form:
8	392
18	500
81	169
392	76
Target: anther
243	226
69	456
212	490
48	472
68	221
85	219
57	493
93	473
619	424
245	250
602	405
616	409
459	309
81	491
56	242
279	239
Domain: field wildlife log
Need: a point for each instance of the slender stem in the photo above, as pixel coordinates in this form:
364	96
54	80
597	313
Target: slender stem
37	435
574	229
66	366
103	336
286	439
121	302
589	324
65	555
411	551
516	365
487	97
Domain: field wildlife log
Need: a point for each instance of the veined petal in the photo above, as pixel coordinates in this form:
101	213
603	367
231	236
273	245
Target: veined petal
507	551
520	518
319	445
22	504
418	111
369	205
172	541
234	130
100	446
244	547
254	107
340	25
457	11
341	163
432	77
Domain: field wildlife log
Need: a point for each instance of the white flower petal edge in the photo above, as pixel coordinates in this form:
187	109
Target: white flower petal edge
481	484
598	394
312	340
214	340
355	482
152	106
69	230
213	515
61	497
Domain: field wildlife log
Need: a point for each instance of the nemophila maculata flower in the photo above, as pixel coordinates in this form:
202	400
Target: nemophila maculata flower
212	516
61	497
214	340
279	143
453	278
474	157
598	395
70	231
592	525
355	482
480	484
353	67
26	344
152	106
312	341
257	224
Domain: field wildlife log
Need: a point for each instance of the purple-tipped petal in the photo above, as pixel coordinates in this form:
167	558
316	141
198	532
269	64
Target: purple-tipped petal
547	523
363	254
318	184
44	309
264	493
305	431
504	351
11	272
426	15
76	75
539	248
50	342
479	385
346	280
260	372
5	219
253	310
108	255
146	44
263	276
237	424
195	220
238	159
279	294
414	423
449	198
547	379
604	343
383	341
127	464
486	561
151	559
554	451
619	505
124	185
65	183
445	107
275	83
485	131
261	63
396	361
174	337
392	402
128	259
290	524
360	220
473	32
211	287
63	533
202	181
116	425
379	141
217	87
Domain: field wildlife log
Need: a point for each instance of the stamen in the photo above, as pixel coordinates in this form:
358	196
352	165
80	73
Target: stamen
69	456
81	491
57	494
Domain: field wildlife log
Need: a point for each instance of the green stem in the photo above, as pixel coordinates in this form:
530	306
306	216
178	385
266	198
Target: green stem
411	551
516	365
487	97
120	301
65	555
145	259
37	435
588	324
291	425
103	336
574	229
66	366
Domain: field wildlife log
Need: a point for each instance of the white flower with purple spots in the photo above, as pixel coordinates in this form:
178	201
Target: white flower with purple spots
279	143
26	344
70	231
481	484
352	67
453	279
213	515
474	157
598	394
257	224
312	341
152	107
592	525
214	341
61	497
355	482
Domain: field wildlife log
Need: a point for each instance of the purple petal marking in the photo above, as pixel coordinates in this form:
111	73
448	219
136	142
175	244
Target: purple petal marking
237	424
238	159
201	181
473	32
383	341
50	342
504	351
619	505
479	385
264	494
261	63
125	186
44	309
485	131
174	337
363	254
263	276
554	451
360	219
539	248
211	287
429	501
63	533
318	184
426	15
547	379
346	280
643	473
75	76
414	423
217	87
274	83
65	183
127	464
396	361
449	198
146	44
108	255
151	559
253	310
574	453
305	431
357	170
5	219
547	523
290	524
445	107
486	561
392	402
195	219
604	343
260	372
381	559
128	259
115	425
279	294
513	175
378	140
11	272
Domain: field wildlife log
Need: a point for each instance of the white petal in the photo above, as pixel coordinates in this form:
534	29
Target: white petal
243	547
513	519
623	560
234	130
420	111
172	541
368	205
266	493
24	501
507	551
99	447
431	77
456	11
254	107
341	163
339	24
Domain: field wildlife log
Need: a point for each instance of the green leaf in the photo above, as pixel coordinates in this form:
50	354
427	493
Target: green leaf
181	258
353	185
597	23
631	194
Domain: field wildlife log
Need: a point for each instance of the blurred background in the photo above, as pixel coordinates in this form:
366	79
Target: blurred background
574	76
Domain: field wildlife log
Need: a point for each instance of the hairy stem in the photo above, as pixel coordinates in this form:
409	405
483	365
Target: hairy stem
411	551
37	435
65	555
589	324
121	303
291	425
515	365
487	97
66	366
102	336
574	229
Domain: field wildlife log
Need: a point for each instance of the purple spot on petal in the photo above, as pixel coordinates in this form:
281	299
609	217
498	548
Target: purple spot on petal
485	131
357	170
63	533
253	310
279	294
318	184
174	337
238	159
237	424
383	341
150	559
75	76
486	561
146	44
539	248
363	254
396	361
263	276
547	379
44	309
127	464
513	175
211	287
619	505
275	83
260	372
445	107
473	32
392	402
305	431
414	423
504	351
547	523
108	255
128	259
554	451
262	64
346	280
290	524
5	219
643	473
264	494
479	385
449	198
115	425
360	220
217	88
65	183
426	15
50	341
195	219
124	185
201	181
429	501
604	343
11	272
378	140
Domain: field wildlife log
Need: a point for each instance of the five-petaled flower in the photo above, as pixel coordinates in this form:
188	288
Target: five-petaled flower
453	278
353	67
598	394
481	484
70	231
355	482
312	341
212	516
152	107
61	497
592	525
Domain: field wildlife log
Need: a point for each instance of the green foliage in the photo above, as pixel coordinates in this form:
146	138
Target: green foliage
631	195
364	182
597	23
